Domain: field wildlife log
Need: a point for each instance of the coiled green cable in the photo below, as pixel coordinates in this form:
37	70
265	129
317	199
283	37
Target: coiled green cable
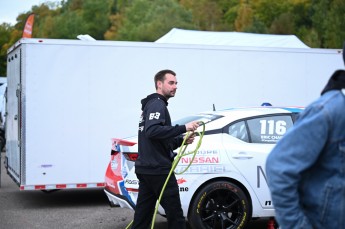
177	159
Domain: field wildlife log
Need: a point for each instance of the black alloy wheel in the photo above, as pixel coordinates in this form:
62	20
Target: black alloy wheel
220	204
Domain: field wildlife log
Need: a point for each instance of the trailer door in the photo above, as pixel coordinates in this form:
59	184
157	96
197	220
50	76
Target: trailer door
13	133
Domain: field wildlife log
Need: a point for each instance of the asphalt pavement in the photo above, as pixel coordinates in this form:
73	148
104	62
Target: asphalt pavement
65	209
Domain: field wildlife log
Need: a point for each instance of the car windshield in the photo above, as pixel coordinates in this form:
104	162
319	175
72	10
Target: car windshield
206	118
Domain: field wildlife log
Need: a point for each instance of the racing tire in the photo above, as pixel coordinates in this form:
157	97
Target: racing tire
220	204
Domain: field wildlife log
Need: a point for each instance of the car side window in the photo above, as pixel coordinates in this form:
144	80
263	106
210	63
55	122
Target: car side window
269	129
239	130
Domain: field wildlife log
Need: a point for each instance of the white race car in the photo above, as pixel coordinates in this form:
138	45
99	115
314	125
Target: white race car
225	186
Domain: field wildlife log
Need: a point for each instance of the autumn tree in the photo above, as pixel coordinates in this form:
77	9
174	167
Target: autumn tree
149	20
329	21
5	36
244	17
45	19
95	15
74	17
116	18
231	13
207	14
335	33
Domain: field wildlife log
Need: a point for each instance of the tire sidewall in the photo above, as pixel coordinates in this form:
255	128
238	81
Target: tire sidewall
201	197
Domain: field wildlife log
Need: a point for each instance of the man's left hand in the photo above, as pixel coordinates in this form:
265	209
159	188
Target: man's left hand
190	138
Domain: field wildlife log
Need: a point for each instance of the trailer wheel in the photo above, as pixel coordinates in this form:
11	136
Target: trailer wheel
219	204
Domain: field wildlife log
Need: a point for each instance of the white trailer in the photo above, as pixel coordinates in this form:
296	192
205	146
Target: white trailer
68	98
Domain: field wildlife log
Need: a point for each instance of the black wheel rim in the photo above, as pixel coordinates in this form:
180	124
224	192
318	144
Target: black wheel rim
222	209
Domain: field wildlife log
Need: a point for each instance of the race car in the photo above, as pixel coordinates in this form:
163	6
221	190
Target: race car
224	185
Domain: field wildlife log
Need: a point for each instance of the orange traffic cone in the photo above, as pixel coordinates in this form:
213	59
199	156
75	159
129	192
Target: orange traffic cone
271	223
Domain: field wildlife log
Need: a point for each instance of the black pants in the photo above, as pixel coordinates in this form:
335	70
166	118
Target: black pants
150	187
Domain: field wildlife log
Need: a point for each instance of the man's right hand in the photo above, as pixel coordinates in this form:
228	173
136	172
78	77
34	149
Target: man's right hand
192	126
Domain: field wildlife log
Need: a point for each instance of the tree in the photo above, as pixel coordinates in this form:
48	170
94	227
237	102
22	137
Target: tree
5	35
230	14
283	24
74	17
328	22
320	13
244	16
267	11
212	15
335	24
95	15
207	14
149	20
116	18
302	13
45	16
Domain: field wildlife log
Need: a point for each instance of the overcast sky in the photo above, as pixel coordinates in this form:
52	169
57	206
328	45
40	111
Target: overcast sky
10	9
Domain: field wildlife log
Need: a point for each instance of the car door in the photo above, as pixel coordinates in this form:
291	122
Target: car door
248	143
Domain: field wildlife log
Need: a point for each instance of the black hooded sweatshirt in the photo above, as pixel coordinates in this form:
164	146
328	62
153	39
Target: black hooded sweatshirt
156	137
337	80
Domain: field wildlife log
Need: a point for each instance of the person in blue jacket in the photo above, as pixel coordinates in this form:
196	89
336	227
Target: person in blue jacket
306	169
157	139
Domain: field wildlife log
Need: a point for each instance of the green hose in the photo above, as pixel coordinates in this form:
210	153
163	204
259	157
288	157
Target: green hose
177	159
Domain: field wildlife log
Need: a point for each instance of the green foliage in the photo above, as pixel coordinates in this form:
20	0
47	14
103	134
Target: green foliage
318	23
207	14
268	11
320	13
230	14
245	17
149	20
329	22
5	35
95	15
76	17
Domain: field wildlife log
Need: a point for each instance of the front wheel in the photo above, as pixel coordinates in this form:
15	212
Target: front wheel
220	204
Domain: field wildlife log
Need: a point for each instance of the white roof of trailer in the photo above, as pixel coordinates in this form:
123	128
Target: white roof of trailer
182	36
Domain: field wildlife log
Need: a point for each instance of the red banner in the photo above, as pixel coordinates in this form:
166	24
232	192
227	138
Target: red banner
29	24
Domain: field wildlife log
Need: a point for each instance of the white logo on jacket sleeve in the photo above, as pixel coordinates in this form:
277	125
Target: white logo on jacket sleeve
154	115
141	119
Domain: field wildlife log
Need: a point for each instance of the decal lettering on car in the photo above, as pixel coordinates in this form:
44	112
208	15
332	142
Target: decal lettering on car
268	203
183	189
131	181
200	160
272	130
203	157
207	152
260	171
201	169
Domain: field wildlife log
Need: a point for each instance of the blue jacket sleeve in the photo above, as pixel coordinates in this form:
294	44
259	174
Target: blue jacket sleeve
294	153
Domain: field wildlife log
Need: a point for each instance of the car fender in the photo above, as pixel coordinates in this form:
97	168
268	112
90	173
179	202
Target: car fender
192	183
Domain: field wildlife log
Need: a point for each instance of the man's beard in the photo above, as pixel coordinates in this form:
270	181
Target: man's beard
170	94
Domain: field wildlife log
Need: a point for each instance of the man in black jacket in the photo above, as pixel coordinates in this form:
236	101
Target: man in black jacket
156	141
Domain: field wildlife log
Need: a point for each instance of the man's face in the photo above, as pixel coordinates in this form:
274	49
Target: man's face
168	87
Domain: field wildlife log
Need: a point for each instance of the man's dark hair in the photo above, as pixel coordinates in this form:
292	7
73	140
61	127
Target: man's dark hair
160	76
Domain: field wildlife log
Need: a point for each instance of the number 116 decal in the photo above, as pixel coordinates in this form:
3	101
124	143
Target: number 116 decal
273	127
